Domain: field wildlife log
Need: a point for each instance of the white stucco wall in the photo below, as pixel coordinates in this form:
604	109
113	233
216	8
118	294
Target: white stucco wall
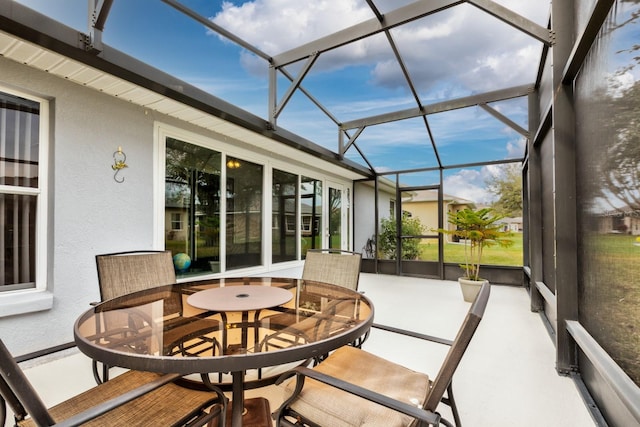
364	201
89	212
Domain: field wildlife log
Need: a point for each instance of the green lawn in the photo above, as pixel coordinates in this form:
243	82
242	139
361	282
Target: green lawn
609	292
495	255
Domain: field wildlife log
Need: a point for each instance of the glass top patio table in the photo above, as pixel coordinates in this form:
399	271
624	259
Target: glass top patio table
131	331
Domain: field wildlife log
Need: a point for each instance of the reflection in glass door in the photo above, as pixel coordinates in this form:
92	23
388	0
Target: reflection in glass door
244	213
192	205
310	214
420	215
334	233
284	209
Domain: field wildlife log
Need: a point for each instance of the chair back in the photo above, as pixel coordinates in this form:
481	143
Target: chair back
17	391
125	272
333	266
459	346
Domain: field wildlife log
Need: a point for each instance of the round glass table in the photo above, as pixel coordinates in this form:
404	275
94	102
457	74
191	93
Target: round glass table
226	325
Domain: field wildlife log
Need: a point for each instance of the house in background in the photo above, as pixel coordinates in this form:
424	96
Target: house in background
624	220
423	204
512	224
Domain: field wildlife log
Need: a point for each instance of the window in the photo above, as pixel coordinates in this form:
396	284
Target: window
192	205
22	200
291	224
306	224
284	195
311	215
176	221
244	213
227	213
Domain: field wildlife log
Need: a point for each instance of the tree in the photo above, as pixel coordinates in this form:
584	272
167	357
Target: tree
507	186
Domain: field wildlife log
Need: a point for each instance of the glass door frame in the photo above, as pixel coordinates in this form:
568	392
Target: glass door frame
344	216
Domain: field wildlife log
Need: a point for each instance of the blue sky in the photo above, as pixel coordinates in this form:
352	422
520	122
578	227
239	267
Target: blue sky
456	53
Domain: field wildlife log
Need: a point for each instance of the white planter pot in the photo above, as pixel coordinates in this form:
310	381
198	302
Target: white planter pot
470	288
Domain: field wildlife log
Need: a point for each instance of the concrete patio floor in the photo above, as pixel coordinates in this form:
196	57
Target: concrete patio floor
507	377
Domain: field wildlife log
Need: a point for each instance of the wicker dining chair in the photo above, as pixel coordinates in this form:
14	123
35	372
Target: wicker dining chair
134	398
336	267
354	387
126	272
332	266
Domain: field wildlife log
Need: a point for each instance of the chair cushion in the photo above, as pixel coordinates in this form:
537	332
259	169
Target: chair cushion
328	406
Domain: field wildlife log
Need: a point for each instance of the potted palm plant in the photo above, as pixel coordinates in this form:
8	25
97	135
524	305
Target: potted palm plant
477	229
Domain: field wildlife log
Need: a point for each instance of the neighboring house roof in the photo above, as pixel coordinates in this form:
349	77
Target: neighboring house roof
625	210
432	196
514	220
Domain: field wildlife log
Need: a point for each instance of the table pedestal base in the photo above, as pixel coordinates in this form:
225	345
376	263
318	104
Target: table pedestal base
257	413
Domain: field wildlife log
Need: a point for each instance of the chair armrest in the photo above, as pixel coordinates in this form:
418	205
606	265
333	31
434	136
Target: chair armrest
111	404
3	411
413	334
413	411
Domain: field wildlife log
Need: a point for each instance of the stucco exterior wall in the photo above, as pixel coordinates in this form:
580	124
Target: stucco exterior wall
427	212
89	213
364	201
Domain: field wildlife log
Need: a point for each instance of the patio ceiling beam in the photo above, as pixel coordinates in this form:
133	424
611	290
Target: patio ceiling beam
364	29
519	22
432	140
373	169
311	97
352	139
439	107
352	143
403	67
504	119
218	29
98	13
277	109
450	167
375	10
598	15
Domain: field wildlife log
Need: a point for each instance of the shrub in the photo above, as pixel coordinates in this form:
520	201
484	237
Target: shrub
388	238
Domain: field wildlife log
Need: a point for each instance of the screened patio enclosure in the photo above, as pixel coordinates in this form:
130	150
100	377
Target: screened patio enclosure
378	101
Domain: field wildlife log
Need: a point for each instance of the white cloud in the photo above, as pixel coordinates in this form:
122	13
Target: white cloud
435	48
468	184
516	148
276	26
